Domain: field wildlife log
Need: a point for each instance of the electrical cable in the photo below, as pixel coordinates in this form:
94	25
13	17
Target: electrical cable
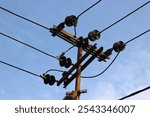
137	36
135	93
75	31
14	39
22	17
54	70
75	28
20	69
125	16
88	76
116	56
104	69
68	50
117	20
88	9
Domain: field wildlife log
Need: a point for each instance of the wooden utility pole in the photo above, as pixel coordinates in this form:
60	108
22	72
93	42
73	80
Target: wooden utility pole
90	50
78	78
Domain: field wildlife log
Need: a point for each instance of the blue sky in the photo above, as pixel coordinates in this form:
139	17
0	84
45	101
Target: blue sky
130	72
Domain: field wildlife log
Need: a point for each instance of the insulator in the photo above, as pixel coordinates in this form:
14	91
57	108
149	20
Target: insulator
94	35
60	26
106	55
71	21
108	52
68	63
85	43
119	46
49	79
62	61
80	41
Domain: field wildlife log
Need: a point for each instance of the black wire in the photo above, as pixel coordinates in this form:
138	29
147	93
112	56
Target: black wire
75	31
68	50
137	36
125	16
20	69
14	39
31	21
75	28
104	69
54	70
116	56
88	76
88	8
135	93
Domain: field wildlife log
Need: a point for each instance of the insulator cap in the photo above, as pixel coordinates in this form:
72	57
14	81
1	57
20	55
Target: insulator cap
71	21
62	61
68	63
119	46
49	79
94	35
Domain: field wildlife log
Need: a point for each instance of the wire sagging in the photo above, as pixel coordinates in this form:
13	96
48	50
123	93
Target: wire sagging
116	56
104	69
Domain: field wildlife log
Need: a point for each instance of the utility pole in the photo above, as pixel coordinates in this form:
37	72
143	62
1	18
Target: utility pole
78	78
83	45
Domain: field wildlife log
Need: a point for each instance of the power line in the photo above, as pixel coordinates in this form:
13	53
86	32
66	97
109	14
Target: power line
20	69
116	56
135	93
22	17
68	50
31	21
117	20
88	76
54	70
14	39
75	27
88	8
125	16
104	69
137	36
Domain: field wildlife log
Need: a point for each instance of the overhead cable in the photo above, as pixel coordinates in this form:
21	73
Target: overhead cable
104	69
133	39
22	17
125	16
29	72
89	8
135	93
14	39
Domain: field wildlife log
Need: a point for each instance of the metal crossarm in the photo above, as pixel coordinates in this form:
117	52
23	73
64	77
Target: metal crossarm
84	66
75	66
72	40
